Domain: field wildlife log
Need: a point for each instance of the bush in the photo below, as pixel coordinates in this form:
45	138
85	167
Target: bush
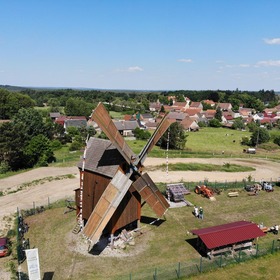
141	134
277	140
214	123
245	141
55	145
75	146
4	167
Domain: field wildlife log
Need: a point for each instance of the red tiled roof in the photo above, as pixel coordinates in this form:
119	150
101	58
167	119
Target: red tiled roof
227	234
193	111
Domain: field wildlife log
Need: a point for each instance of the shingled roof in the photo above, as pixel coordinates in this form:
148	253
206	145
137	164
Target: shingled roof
102	157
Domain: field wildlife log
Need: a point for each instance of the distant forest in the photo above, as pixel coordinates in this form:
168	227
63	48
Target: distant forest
77	100
42	95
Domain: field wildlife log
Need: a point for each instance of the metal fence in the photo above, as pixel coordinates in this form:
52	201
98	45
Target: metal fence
227	185
193	267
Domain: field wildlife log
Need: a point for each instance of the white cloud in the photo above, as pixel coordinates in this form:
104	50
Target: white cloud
244	65
273	41
131	69
269	63
185	60
135	69
239	65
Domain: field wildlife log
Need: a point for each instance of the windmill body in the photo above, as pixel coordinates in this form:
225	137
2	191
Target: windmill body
113	183
103	162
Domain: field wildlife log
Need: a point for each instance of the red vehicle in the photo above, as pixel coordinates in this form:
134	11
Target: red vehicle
4	247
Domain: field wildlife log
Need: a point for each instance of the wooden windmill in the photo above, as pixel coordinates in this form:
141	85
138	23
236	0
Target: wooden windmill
113	181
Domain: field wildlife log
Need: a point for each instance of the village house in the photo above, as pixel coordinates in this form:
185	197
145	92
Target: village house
67	121
196	105
54	115
126	127
189	124
75	123
225	106
245	112
155	106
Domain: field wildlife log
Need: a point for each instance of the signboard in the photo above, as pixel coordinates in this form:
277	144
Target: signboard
33	265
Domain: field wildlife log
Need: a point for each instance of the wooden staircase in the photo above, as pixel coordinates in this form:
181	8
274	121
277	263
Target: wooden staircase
76	229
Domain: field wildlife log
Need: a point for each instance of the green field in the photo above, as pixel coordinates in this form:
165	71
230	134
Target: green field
160	246
211	142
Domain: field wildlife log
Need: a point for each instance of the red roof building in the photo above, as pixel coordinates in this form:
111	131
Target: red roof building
227	237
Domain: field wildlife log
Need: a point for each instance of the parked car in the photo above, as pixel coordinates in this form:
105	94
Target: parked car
4	247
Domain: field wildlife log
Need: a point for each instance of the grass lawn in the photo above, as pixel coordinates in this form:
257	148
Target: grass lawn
209	142
159	246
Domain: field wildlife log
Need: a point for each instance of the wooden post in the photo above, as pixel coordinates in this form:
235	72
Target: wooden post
155	274
112	241
178	271
272	248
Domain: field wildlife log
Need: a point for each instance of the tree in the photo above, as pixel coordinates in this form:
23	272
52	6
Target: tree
141	134
206	106
72	131
259	136
277	140
218	114
30	123
39	151
180	98
177	137
215	123
11	102
11	146
77	107
238	124
253	126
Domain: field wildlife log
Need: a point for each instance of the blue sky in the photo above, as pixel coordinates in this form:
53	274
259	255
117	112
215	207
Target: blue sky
141	44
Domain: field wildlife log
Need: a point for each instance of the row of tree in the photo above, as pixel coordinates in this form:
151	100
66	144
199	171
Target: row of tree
81	102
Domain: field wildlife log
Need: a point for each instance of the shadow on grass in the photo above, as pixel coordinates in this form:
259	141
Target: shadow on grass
193	243
151	221
48	275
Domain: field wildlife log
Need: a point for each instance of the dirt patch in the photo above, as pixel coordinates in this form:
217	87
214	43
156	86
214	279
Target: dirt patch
121	247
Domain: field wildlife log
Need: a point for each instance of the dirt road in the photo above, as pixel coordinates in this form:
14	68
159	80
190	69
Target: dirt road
265	169
54	190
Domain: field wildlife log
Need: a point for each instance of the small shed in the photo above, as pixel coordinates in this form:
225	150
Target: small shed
227	237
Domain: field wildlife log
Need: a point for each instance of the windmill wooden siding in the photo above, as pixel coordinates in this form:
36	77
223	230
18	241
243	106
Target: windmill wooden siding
115	203
95	183
107	206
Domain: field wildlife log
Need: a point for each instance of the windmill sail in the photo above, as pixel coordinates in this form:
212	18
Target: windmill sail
161	128
106	206
151	194
104	121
